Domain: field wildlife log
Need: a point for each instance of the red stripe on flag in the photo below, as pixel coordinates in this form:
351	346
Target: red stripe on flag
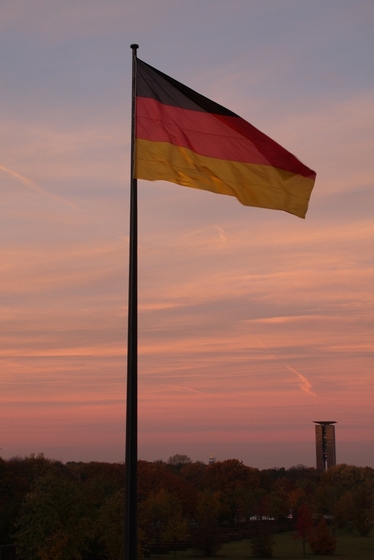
219	136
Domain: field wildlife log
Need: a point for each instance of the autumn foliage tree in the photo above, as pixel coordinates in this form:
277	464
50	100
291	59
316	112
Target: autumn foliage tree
344	510
304	525
175	529
74	511
53	522
363	503
262	539
230	478
207	535
110	525
162	519
321	540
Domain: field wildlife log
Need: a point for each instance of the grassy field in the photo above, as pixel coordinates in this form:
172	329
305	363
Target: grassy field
349	546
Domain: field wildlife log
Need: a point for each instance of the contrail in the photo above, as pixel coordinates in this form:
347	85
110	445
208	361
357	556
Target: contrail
221	233
34	187
305	385
185	388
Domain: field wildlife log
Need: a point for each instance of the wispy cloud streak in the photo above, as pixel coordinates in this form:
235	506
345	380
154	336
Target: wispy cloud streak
36	188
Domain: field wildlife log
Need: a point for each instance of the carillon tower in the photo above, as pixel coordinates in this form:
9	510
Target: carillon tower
325	445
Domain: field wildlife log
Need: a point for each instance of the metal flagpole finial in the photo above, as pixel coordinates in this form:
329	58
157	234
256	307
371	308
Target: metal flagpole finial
134	47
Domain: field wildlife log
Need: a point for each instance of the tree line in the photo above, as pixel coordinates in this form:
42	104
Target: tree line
74	511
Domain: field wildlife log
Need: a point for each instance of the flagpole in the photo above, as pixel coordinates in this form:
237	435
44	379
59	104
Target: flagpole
131	460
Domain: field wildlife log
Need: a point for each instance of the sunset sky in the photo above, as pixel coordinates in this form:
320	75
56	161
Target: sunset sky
252	323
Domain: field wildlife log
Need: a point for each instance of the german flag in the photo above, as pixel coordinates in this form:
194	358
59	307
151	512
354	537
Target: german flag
185	138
